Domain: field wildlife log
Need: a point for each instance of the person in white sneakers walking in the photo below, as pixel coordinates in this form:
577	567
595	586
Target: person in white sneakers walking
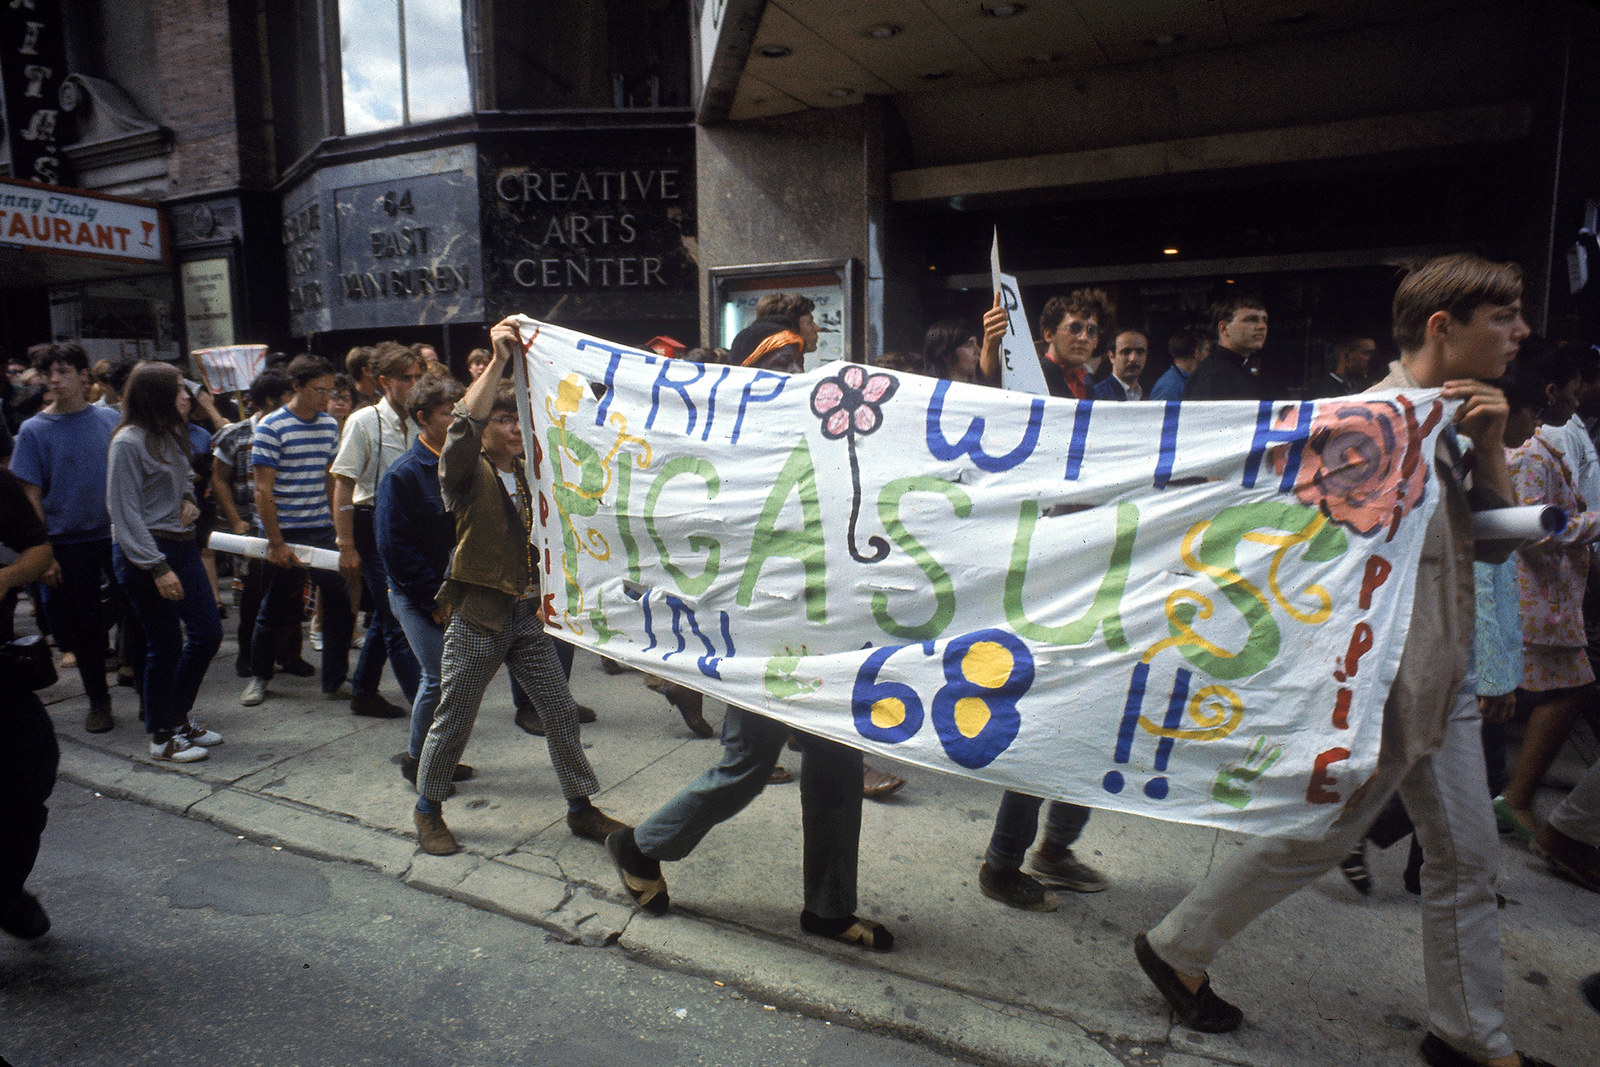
150	495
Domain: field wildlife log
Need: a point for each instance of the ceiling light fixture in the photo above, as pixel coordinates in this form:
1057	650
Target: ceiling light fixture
1169	251
1164	40
883	31
936	75
776	51
1041	58
840	92
1004	11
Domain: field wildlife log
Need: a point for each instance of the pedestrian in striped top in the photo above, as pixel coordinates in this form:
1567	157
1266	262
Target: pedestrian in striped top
290	454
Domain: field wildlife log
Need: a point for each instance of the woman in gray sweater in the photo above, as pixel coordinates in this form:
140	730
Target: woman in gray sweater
150	494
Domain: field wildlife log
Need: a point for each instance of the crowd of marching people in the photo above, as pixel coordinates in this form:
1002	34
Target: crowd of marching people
415	481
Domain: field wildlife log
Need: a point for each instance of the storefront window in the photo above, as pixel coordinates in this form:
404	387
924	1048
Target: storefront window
402	61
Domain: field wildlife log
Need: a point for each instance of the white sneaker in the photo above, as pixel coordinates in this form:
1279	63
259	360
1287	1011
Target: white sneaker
255	691
316	640
177	750
196	734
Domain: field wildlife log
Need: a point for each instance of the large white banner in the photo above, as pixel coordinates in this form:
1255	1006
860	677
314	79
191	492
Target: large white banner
1192	612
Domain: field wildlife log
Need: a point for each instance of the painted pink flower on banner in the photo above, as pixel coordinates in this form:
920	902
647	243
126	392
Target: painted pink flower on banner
1362	464
851	401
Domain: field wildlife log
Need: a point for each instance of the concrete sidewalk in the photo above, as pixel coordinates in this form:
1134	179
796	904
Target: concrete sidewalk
1326	978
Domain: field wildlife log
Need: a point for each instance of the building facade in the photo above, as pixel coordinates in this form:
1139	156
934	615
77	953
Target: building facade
333	172
1164	151
330	172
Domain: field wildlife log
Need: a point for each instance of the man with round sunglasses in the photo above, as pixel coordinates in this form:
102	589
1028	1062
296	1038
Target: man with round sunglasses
1072	327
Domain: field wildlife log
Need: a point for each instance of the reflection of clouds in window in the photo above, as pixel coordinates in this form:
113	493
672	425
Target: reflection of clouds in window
369	46
436	59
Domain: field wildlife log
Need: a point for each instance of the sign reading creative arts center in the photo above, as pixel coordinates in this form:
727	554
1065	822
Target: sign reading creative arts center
597	225
1188	611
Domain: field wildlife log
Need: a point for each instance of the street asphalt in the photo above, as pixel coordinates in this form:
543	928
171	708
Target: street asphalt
1328	977
199	947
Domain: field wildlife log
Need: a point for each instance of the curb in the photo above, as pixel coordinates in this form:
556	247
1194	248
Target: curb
801	976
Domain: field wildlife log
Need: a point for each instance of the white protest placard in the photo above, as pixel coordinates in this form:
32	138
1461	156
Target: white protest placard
1019	356
1187	611
230	368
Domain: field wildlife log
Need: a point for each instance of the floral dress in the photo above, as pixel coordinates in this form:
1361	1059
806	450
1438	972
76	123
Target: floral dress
1552	572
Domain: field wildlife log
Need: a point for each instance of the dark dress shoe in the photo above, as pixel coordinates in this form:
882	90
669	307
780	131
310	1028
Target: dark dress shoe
377	706
21	916
691	705
299	668
586	714
1591	990
528	720
1439	1054
876	784
1200	1010
409	767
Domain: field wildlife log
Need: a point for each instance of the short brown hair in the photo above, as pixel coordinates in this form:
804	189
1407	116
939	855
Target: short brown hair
1186	343
1224	309
394	363
1458	284
430	393
45	356
306	367
479	355
505	397
356	360
791	304
1084	303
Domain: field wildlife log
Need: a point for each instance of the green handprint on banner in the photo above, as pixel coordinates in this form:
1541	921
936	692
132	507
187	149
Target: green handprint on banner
780	679
1233	779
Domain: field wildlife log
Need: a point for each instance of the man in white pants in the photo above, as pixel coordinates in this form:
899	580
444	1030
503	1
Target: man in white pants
1459	322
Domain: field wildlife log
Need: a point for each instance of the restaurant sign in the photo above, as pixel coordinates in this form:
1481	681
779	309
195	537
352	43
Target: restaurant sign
52	219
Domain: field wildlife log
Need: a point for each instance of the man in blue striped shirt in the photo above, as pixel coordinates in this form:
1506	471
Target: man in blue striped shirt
290	453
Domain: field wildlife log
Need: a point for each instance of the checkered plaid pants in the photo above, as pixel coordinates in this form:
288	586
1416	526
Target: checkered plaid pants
471	658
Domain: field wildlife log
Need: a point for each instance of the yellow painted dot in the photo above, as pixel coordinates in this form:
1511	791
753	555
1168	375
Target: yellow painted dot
568	394
888	713
972	715
988	664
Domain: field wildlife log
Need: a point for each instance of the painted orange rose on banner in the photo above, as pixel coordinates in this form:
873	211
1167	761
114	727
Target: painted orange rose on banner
1362	465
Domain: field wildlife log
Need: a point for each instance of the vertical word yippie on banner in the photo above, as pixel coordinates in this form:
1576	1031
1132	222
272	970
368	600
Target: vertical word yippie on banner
963	577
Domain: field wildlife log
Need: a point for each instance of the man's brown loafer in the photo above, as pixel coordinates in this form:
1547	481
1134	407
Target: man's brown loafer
1200	1010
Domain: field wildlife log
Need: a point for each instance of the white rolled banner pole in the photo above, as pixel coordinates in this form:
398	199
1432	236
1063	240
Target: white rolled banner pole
1518	524
321	559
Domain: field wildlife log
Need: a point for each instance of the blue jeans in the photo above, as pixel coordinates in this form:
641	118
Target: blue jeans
74	609
427	644
385	637
1018	820
830	805
181	636
280	600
